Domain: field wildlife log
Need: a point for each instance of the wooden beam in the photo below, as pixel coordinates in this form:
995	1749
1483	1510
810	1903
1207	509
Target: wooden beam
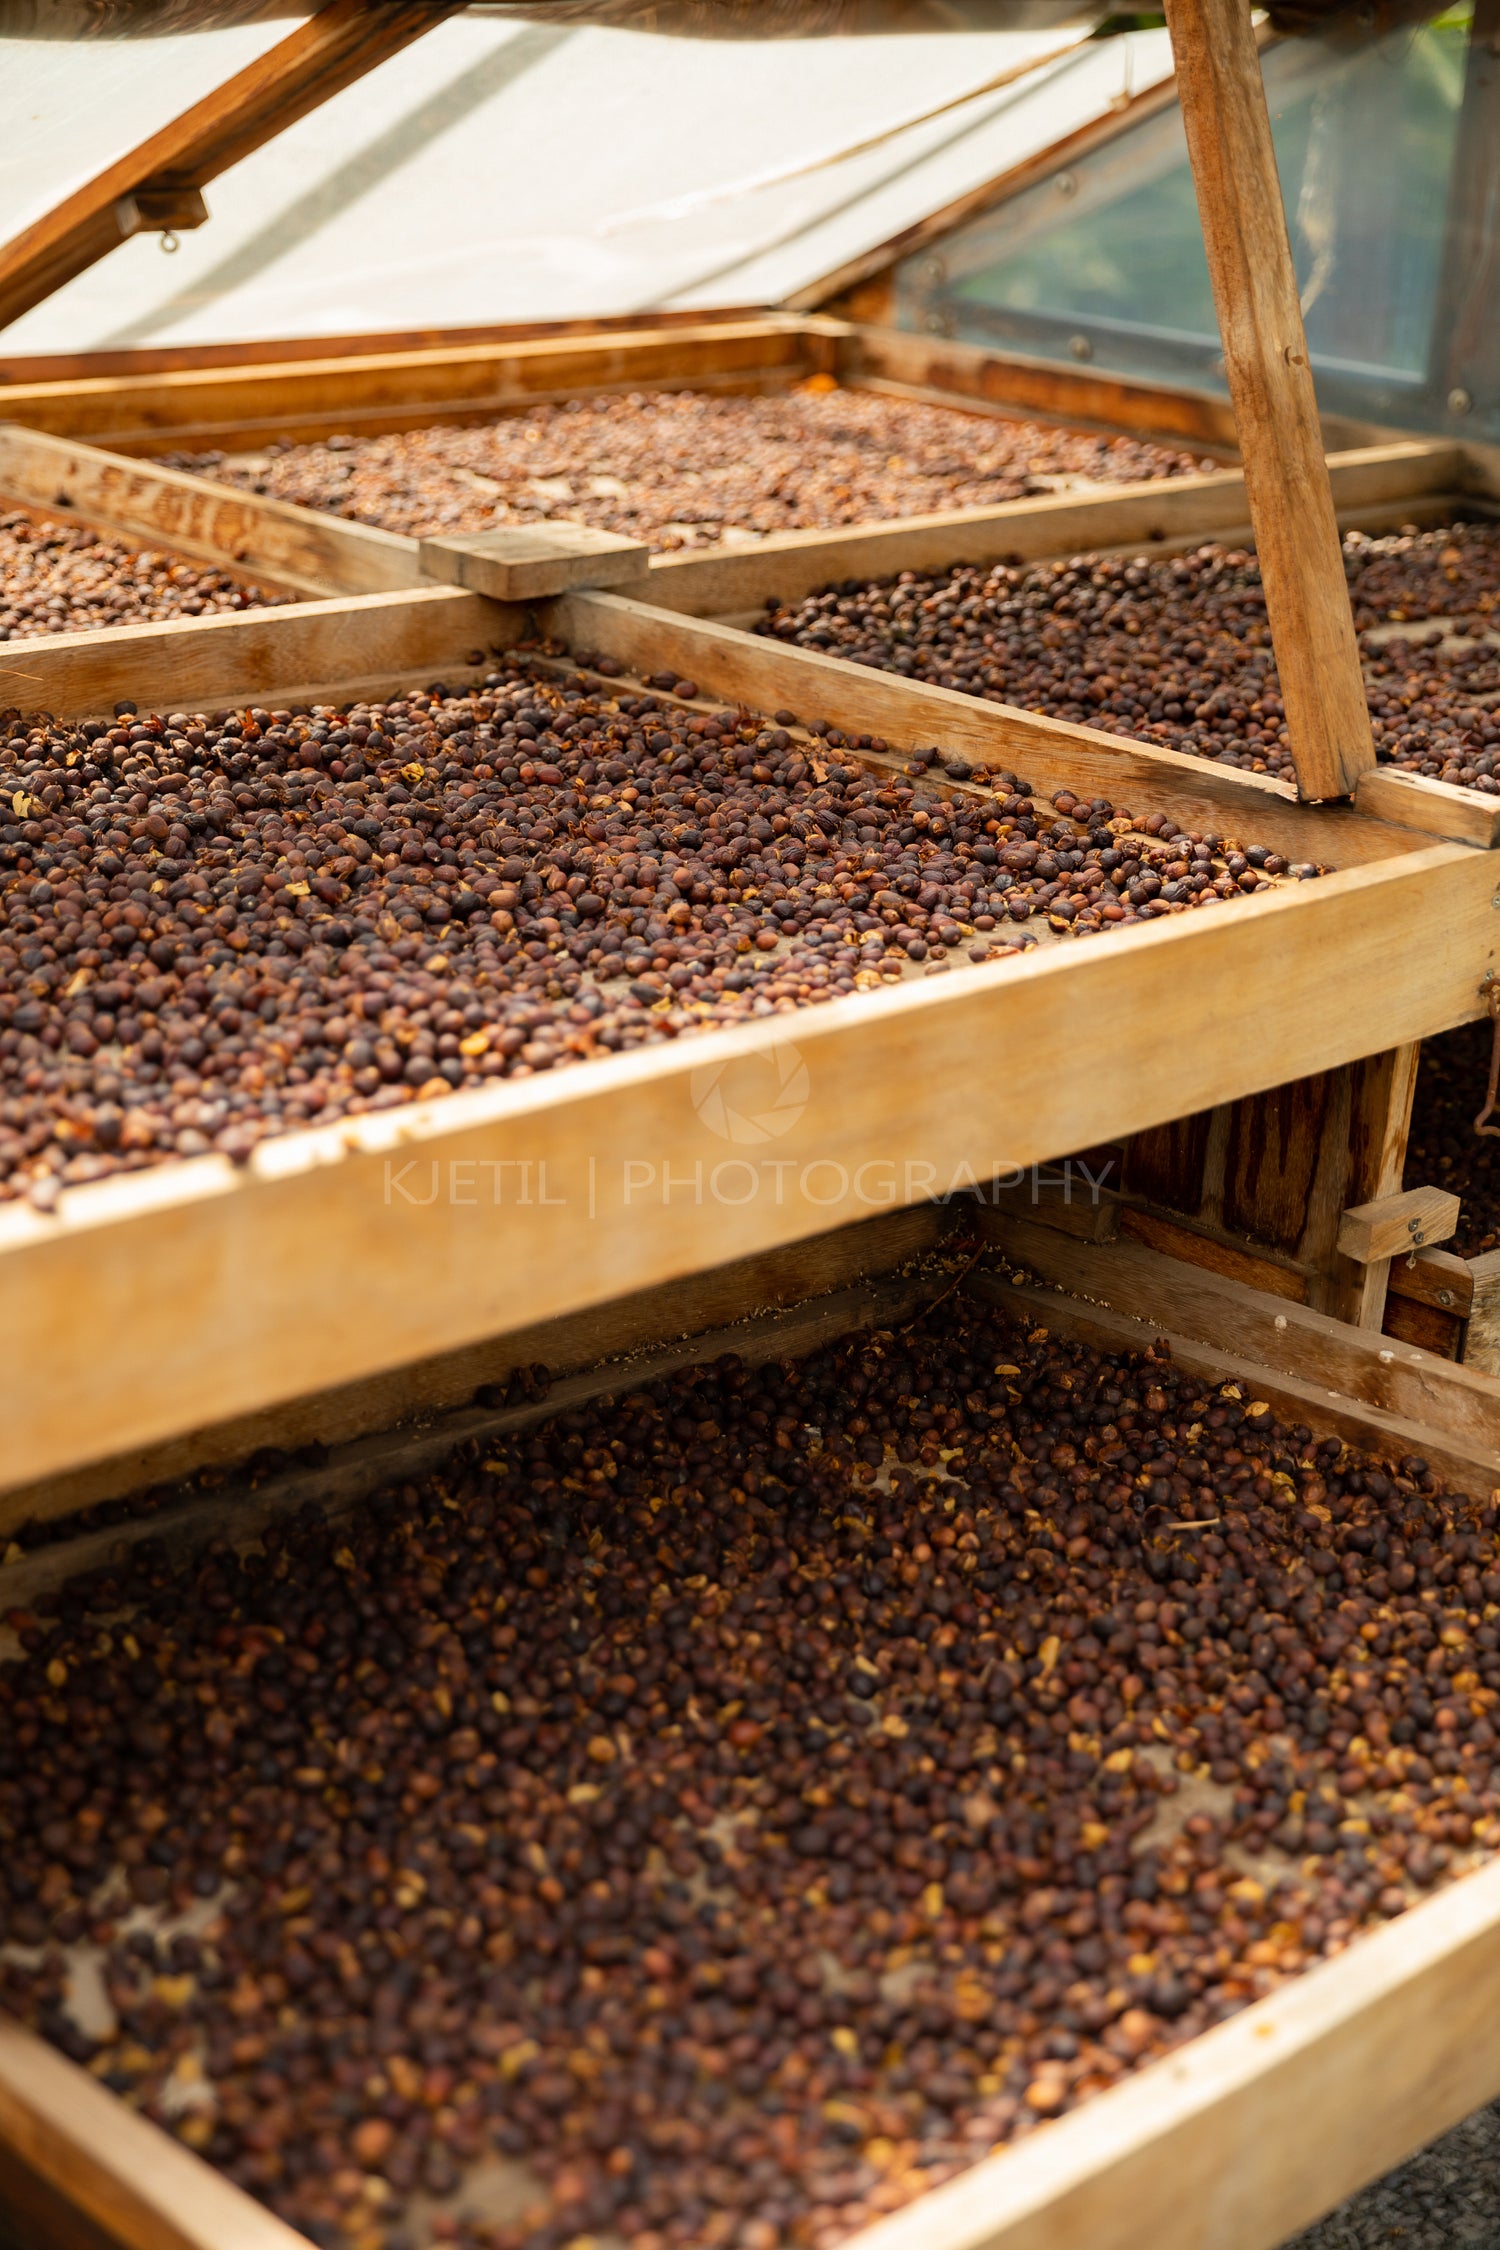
790	564
243	656
1270	383
1038	387
1287	1339
776	1280
529	562
395	390
344	40
445	1229
1368	1152
1394	1225
271	540
769	675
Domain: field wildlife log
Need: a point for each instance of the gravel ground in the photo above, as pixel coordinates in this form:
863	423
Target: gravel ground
1447	2195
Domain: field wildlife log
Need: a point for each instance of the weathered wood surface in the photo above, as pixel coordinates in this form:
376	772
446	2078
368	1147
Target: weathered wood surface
1223	102
300	548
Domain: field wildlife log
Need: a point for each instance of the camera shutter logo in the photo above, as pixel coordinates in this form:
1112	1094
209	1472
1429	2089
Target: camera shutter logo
755	1097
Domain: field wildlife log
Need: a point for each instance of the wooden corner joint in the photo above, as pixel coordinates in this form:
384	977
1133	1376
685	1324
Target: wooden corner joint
1394	1225
531	562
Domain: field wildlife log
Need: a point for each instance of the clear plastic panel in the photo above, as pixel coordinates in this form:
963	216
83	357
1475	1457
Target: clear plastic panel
1102	260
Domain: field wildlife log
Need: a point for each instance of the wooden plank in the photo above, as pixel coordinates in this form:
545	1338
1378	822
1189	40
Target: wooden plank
774	1280
1435	1277
154	359
238	657
1270	382
528	562
342	41
788	565
1212	1252
1039	386
1369	1157
1427	1326
133	2183
240	1507
1482	1346
301	548
444	1228
1440	808
1288	1339
769	675
334	392
1395	1224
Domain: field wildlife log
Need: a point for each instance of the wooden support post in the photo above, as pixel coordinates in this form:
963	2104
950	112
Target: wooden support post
156	183
1271	387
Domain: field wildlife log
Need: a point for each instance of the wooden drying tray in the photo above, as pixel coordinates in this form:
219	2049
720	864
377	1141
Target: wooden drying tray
191	1294
1347	2069
279	543
247	405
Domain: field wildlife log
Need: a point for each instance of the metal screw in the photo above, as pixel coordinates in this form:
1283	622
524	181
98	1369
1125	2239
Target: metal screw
1067	183
1080	347
1460	401
934	269
1445	1296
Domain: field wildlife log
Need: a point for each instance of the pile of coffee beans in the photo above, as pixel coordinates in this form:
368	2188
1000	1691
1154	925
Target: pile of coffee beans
1178	650
216	927
62	578
1444	1150
680	469
716	1814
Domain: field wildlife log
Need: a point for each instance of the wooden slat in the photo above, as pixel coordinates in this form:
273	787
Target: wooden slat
1285	1338
1270	382
528	562
342	41
1439	808
237	657
405	386
1368	1157
769	675
272	540
1435	1277
130	2182
775	1280
1396	1224
908	1092
155	359
791	564
1039	386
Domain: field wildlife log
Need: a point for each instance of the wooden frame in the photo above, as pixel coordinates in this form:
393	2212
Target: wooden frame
98	1369
1344	2070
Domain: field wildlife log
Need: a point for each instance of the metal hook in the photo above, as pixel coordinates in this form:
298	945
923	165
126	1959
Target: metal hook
1490	992
171	241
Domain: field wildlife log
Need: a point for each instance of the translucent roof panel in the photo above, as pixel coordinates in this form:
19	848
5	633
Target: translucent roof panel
1102	259
72	107
500	171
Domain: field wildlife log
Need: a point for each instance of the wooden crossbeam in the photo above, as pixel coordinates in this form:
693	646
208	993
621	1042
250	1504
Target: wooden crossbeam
154	183
1270	384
